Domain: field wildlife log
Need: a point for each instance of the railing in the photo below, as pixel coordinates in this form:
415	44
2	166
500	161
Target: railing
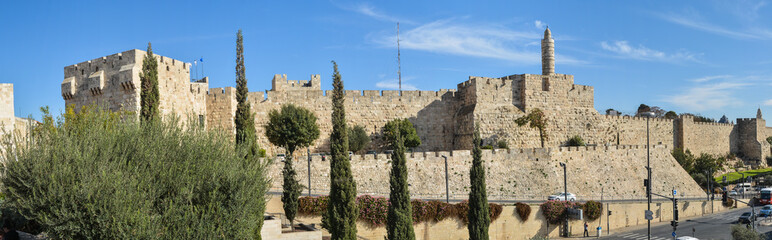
509	198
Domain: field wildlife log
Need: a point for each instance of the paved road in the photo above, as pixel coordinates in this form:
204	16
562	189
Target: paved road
709	227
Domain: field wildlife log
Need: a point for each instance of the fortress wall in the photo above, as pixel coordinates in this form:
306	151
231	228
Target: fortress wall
555	91
7	115
515	174
221	109
749	143
111	82
711	138
177	94
430	112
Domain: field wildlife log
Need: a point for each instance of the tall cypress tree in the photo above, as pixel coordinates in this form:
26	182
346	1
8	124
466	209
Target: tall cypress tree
479	210
149	87
399	222
245	123
340	219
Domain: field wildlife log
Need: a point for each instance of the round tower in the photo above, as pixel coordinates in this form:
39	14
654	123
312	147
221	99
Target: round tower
547	53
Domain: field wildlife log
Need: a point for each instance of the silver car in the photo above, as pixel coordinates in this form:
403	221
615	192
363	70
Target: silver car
562	197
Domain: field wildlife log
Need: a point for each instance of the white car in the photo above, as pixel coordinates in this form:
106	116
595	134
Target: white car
687	238
562	197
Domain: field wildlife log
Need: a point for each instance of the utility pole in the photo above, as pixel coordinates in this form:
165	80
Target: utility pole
565	194
399	63
648	183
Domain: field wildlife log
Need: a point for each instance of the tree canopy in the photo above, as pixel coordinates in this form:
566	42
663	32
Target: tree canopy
358	138
406	130
291	127
537	120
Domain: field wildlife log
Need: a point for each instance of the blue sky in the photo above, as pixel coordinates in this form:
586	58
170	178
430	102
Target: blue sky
705	57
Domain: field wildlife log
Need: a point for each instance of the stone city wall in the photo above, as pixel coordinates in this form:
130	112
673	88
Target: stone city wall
512	174
711	138
429	111
509	225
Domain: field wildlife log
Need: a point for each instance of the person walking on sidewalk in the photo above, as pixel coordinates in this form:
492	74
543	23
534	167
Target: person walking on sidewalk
586	233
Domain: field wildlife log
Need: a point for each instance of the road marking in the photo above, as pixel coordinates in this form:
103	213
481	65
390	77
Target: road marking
640	236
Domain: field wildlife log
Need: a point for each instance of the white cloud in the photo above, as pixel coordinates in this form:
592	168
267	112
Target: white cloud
370	11
476	40
707	97
768	102
625	50
394	84
695	21
709	78
539	24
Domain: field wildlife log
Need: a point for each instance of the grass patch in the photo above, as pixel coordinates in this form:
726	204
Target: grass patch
735	176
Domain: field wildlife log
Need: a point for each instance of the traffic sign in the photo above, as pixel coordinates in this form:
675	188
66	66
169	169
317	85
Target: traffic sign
649	215
674	234
674	192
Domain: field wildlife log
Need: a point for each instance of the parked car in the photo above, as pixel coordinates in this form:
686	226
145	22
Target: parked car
371	152
280	156
765	211
733	193
746	217
562	197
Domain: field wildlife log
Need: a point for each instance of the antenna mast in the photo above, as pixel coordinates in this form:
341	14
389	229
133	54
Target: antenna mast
399	63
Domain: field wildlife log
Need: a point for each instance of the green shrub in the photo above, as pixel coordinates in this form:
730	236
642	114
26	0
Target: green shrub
592	210
523	210
487	147
741	232
575	141
100	175
502	144
555	211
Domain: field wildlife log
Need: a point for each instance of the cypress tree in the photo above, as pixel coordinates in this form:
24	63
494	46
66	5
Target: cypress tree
290	190
340	219
149	87
479	210
245	123
399	222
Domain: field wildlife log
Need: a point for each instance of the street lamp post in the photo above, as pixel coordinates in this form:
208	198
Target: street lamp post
742	187
308	151
648	115
565	194
447	189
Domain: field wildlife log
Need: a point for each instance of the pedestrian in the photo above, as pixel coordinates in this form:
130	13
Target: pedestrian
586	233
10	231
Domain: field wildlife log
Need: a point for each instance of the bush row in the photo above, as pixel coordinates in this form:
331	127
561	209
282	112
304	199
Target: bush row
373	210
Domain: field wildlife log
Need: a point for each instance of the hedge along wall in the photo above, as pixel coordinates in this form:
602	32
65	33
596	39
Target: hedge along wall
373	210
509	225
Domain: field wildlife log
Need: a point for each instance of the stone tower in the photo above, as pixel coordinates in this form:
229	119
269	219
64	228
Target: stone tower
547	53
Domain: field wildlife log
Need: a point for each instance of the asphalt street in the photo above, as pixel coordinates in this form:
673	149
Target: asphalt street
716	226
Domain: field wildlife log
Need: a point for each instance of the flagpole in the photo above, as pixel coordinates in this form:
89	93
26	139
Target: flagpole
202	66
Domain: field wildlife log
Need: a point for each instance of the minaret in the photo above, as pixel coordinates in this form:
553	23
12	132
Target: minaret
758	114
547	53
